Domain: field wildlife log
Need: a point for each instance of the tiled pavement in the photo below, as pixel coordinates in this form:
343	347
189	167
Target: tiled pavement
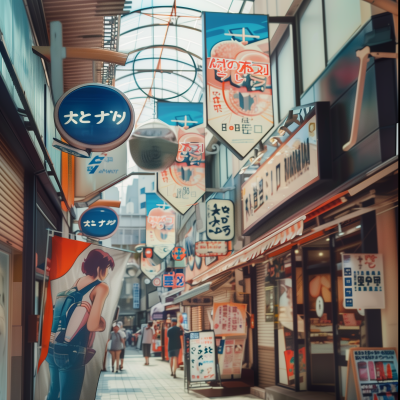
141	382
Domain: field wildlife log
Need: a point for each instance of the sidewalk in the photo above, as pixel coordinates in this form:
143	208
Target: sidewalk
137	381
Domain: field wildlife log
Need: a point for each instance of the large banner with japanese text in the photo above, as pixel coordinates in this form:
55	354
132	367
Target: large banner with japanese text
184	182
82	296
229	319
238	86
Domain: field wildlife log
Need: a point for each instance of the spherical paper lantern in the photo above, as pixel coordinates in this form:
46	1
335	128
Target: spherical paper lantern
154	146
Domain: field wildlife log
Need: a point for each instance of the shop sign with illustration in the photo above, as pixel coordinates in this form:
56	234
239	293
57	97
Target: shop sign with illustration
100	171
220	220
99	222
200	356
211	248
294	166
71	326
94	116
372	374
230	357
363	284
183	184
229	319
238	79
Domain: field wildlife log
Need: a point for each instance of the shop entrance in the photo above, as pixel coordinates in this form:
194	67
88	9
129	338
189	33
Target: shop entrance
319	317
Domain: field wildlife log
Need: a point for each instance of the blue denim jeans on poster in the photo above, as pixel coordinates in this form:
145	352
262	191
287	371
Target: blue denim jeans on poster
67	371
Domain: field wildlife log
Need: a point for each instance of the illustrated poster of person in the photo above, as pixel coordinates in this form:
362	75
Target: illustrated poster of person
82	295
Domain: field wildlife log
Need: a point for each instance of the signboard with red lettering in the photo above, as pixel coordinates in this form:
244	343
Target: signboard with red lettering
238	79
229	319
211	249
183	184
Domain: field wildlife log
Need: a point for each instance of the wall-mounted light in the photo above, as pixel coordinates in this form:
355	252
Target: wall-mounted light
320	254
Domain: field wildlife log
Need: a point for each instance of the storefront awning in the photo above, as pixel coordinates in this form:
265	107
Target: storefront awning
174	292
254	250
192	293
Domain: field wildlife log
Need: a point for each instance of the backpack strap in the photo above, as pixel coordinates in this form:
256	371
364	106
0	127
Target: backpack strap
87	288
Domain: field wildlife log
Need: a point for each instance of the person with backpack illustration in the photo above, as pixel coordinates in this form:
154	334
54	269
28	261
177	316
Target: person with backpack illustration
116	346
76	319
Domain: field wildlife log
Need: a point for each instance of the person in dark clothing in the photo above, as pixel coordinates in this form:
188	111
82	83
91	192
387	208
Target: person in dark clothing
174	345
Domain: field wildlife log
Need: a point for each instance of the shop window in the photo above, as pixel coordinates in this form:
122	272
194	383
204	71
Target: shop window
348	12
312	42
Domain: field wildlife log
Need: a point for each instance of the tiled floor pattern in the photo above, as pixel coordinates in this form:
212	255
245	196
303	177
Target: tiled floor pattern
139	382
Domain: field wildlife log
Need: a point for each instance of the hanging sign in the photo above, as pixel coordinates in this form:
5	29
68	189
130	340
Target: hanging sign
200	356
99	222
211	249
178	253
229	319
74	335
100	171
220	219
183	184
372	374
94	116
151	266
363	285
136	295
174	280
294	166
238	79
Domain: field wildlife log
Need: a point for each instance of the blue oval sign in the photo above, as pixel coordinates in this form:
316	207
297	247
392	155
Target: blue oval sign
94	116
99	222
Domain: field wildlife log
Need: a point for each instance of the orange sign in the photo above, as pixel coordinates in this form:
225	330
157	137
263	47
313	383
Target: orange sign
229	319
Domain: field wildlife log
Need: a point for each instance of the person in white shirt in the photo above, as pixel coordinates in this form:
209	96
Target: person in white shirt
148	334
122	333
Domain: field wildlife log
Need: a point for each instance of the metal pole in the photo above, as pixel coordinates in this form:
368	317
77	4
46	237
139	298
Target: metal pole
57	54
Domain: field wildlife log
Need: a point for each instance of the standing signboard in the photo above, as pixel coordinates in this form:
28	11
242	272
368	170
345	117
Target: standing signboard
183	184
238	79
363	284
302	161
229	319
372	374
220	222
230	359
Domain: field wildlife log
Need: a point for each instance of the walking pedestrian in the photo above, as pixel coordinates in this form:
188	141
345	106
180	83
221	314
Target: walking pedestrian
122	333
147	339
117	344
174	345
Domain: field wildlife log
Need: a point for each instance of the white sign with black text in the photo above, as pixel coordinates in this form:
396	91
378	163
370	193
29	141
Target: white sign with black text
220	222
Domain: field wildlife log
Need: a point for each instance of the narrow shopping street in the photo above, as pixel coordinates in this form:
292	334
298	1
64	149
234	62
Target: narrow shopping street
139	382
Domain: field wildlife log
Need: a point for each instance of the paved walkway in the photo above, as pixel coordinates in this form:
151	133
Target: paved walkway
151	382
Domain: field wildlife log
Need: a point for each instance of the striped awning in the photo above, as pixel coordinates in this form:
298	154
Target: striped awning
255	249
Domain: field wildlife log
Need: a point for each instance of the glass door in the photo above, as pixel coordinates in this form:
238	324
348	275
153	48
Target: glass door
319	316
4	268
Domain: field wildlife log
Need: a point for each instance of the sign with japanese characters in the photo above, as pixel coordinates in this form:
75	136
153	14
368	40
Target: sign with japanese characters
293	166
100	171
238	86
220	222
363	285
231	358
200	359
229	319
99	222
136	295
174	280
94	116
372	374
183	184
211	249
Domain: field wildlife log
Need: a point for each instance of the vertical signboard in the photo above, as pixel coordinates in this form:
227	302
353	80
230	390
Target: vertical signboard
136	295
231	357
363	285
220	222
238	87
183	184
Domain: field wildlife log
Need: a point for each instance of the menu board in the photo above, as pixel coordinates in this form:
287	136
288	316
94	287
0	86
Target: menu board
372	374
229	319
200	356
231	353
363	285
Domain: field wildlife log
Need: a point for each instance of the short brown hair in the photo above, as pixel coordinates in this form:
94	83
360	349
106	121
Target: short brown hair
97	258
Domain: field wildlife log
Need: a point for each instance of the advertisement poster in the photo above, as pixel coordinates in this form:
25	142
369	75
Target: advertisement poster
290	367
202	356
160	224
229	319
363	284
183	184
290	169
209	249
238	79
83	292
231	358
372	374
98	172
220	222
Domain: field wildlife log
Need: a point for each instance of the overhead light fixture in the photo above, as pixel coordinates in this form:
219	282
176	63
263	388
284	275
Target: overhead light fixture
321	254
327	239
275	141
296	251
341	233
